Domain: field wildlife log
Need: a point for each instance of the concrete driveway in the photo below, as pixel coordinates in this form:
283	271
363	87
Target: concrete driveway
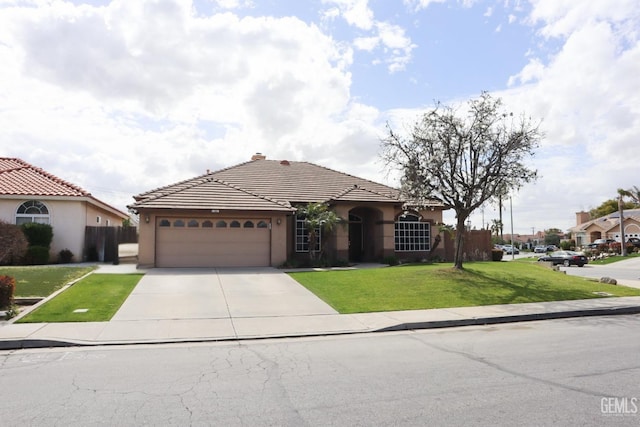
626	272
218	293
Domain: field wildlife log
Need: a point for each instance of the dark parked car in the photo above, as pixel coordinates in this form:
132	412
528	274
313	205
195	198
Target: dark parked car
634	241
566	258
599	242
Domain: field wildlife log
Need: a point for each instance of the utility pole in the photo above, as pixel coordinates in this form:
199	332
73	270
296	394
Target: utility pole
513	248
623	249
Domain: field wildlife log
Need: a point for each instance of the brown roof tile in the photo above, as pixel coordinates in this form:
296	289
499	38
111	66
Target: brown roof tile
283	182
18	177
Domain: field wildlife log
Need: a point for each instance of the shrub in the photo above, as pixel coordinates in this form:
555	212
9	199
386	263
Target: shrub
38	234
65	256
13	243
7	288
390	260
37	255
496	254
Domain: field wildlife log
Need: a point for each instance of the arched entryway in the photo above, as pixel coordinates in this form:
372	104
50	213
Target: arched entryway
365	234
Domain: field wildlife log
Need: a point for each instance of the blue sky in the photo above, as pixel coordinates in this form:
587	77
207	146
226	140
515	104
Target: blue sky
120	97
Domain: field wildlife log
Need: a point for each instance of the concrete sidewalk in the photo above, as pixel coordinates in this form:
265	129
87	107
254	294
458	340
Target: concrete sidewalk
137	331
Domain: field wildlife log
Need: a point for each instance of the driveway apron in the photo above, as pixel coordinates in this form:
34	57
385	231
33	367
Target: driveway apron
217	293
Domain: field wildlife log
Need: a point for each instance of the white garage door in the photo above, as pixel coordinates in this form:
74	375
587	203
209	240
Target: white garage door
206	242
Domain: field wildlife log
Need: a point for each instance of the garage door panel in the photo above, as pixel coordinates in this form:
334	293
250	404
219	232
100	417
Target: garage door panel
212	247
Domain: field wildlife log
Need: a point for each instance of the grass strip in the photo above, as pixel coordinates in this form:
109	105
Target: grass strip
101	295
42	281
415	287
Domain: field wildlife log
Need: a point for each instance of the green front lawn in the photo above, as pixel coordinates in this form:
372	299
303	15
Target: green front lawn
101	295
42	281
415	287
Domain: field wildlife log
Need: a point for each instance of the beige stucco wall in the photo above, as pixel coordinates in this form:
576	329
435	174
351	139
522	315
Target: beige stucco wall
68	219
149	217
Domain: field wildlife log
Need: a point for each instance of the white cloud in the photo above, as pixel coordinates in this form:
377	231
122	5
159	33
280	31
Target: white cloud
396	46
135	95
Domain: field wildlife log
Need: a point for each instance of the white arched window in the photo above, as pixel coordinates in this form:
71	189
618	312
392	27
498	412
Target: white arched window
32	211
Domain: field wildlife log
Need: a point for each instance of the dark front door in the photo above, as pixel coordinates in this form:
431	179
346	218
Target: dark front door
356	246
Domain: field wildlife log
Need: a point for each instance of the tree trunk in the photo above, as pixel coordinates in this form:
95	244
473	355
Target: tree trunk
460	232
312	245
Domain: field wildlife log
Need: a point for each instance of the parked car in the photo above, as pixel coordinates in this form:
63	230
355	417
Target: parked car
508	249
599	242
540	249
566	258
634	241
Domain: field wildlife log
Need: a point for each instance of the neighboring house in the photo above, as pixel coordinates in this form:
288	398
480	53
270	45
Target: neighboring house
30	194
245	215
606	227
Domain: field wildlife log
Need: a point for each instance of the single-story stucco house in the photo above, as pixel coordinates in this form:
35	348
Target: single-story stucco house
607	227
245	215
30	194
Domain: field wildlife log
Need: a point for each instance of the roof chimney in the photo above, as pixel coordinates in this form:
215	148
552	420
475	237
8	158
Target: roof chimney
582	217
258	156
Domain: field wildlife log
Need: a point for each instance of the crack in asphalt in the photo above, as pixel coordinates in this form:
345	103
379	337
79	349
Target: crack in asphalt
484	361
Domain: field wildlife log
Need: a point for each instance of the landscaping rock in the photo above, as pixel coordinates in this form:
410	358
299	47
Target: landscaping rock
608	280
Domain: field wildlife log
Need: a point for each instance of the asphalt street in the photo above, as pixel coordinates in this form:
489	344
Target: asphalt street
565	372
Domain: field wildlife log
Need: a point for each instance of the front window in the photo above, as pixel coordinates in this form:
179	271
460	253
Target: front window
302	236
32	211
411	234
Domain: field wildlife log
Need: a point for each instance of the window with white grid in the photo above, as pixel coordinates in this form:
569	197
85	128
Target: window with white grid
411	234
302	236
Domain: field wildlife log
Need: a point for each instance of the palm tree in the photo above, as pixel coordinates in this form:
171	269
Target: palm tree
317	218
633	194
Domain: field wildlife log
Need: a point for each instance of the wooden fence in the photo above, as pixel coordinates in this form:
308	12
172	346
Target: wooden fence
101	243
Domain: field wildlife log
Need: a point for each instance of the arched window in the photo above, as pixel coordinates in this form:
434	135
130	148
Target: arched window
178	223
234	224
411	234
32	211
207	224
193	224
263	224
221	224
164	223
248	224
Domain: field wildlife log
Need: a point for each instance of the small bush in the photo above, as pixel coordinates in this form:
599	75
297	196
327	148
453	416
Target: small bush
7	289
390	260
37	255
496	254
38	234
65	256
13	243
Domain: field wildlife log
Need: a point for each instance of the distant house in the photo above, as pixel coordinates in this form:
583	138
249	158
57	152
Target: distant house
30	194
606	227
245	215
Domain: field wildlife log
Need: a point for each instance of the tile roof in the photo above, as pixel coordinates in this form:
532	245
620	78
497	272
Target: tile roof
18	177
608	222
210	193
258	183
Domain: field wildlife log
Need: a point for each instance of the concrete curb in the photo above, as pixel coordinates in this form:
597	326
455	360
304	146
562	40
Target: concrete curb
513	319
30	343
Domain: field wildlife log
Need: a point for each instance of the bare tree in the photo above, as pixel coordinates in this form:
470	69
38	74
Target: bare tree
464	160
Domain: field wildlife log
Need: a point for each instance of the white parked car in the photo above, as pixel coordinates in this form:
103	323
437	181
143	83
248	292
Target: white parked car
508	249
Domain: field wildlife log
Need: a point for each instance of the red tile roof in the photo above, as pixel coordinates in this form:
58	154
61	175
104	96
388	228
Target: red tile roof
18	177
267	184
